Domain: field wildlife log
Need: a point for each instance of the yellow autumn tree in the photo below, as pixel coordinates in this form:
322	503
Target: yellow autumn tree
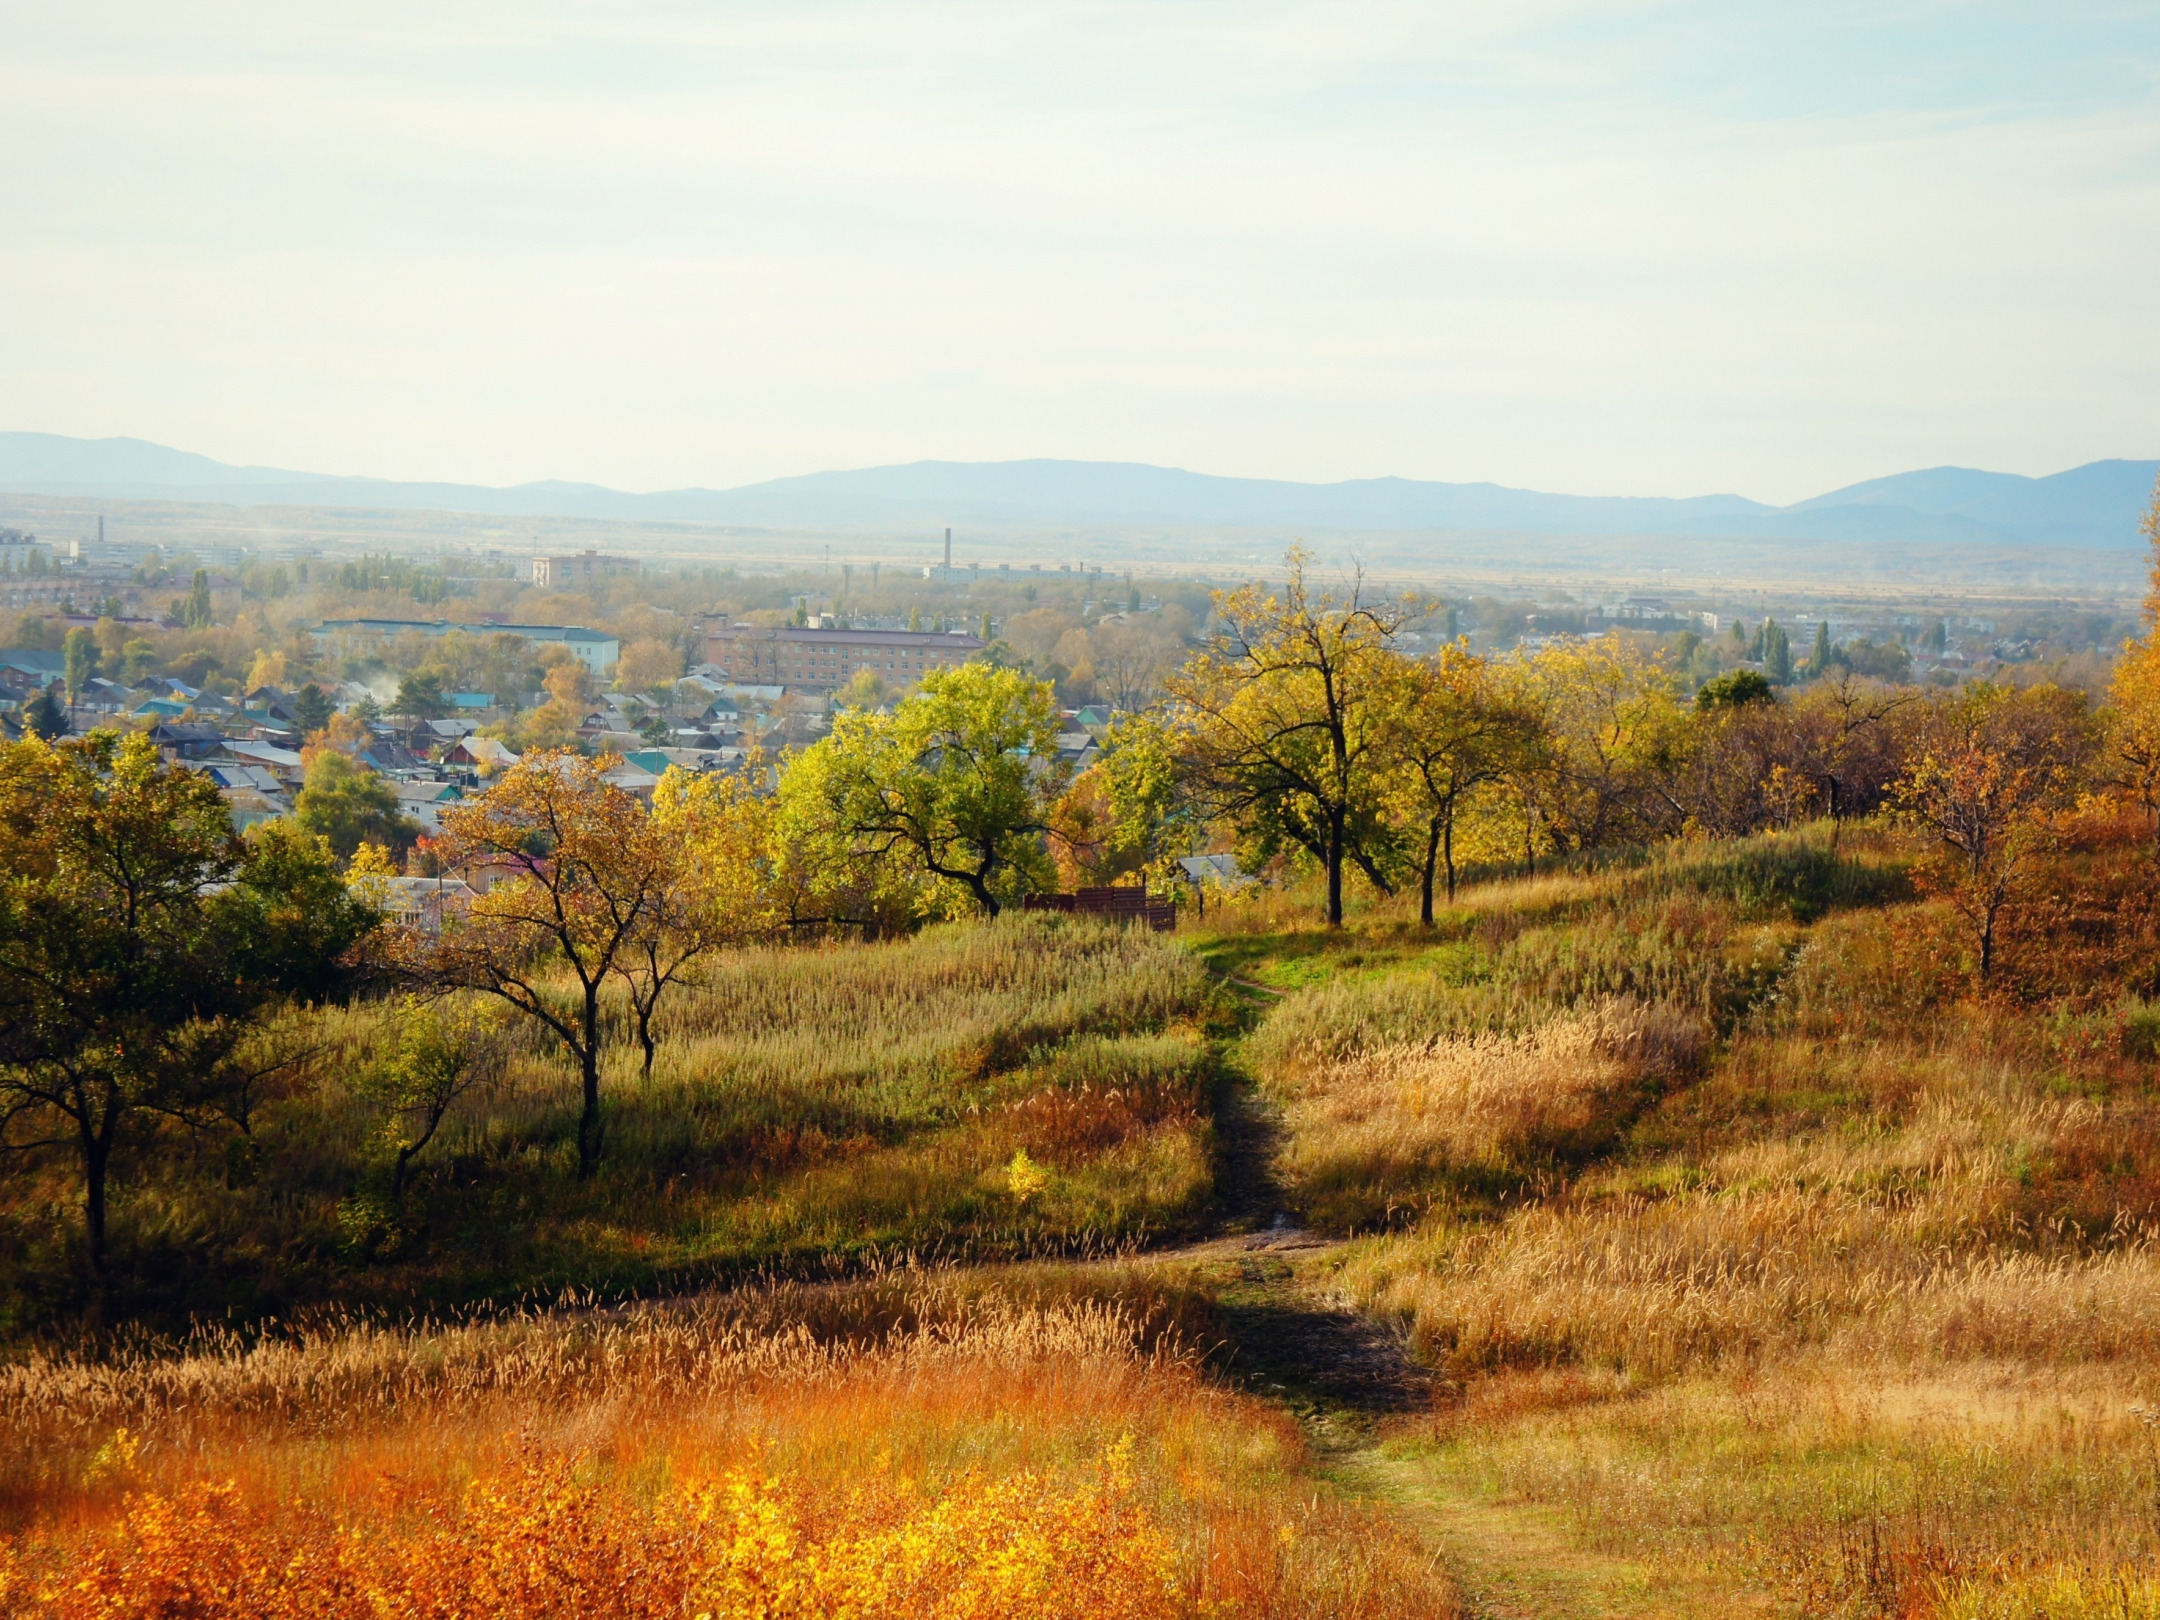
716	833
1285	721
1616	737
1453	729
1990	767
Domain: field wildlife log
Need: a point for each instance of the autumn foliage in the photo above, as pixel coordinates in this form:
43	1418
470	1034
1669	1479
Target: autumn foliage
547	1537
904	1447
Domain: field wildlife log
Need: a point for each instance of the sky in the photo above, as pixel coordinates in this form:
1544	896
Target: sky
1602	248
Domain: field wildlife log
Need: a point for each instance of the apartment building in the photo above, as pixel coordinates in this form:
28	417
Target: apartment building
596	649
559	573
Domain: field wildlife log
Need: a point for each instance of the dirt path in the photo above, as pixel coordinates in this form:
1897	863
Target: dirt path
1364	1403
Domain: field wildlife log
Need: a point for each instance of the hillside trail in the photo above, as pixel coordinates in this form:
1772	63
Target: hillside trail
1369	1410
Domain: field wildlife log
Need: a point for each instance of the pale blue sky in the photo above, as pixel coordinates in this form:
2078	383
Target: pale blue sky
1609	248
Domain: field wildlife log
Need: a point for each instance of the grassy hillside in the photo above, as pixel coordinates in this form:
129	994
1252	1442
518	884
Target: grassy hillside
1755	1258
1743	1232
807	1107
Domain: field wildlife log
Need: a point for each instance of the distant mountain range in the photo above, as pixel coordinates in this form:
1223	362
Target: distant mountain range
2097	505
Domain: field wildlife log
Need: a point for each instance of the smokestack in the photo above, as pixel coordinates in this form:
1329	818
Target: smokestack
101	529
948	548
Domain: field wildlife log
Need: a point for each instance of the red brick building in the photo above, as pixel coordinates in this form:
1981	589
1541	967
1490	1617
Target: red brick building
825	660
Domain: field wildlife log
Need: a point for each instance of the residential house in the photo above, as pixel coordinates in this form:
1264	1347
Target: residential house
101	696
42	668
250	806
20	686
632	779
390	758
282	763
698	761
484	754
186	739
425	801
271	703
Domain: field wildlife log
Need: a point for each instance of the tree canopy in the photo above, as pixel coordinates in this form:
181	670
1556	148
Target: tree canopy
574	873
955	787
348	805
1284	714
138	935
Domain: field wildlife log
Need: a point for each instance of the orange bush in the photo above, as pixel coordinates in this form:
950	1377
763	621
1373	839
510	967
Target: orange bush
542	1539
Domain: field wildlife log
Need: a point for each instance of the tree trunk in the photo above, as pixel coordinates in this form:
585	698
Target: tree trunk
1447	851
588	1130
1334	870
97	1155
97	1130
1432	860
645	1010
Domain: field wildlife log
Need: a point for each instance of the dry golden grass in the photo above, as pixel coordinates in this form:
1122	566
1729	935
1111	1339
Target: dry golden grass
1392	1129
1858	1304
1660	1287
905	1447
1850	1488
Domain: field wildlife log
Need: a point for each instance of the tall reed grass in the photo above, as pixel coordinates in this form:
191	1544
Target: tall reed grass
1388	1131
904	1447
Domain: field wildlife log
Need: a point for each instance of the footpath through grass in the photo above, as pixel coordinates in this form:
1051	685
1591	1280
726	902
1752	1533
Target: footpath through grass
1757	1260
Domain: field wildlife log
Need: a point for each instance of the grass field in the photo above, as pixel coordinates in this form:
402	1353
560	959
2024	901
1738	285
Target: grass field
1730	1250
1741	1233
808	1107
901	1446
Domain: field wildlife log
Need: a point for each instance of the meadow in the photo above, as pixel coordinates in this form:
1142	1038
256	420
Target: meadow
1743	1236
905	1445
1742	1253
808	1108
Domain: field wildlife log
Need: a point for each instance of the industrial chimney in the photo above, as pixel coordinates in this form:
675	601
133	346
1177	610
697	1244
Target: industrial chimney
948	550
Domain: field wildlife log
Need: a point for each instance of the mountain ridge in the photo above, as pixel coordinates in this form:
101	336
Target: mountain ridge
2095	505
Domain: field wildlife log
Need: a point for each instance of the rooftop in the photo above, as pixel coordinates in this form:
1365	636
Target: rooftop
859	638
438	627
